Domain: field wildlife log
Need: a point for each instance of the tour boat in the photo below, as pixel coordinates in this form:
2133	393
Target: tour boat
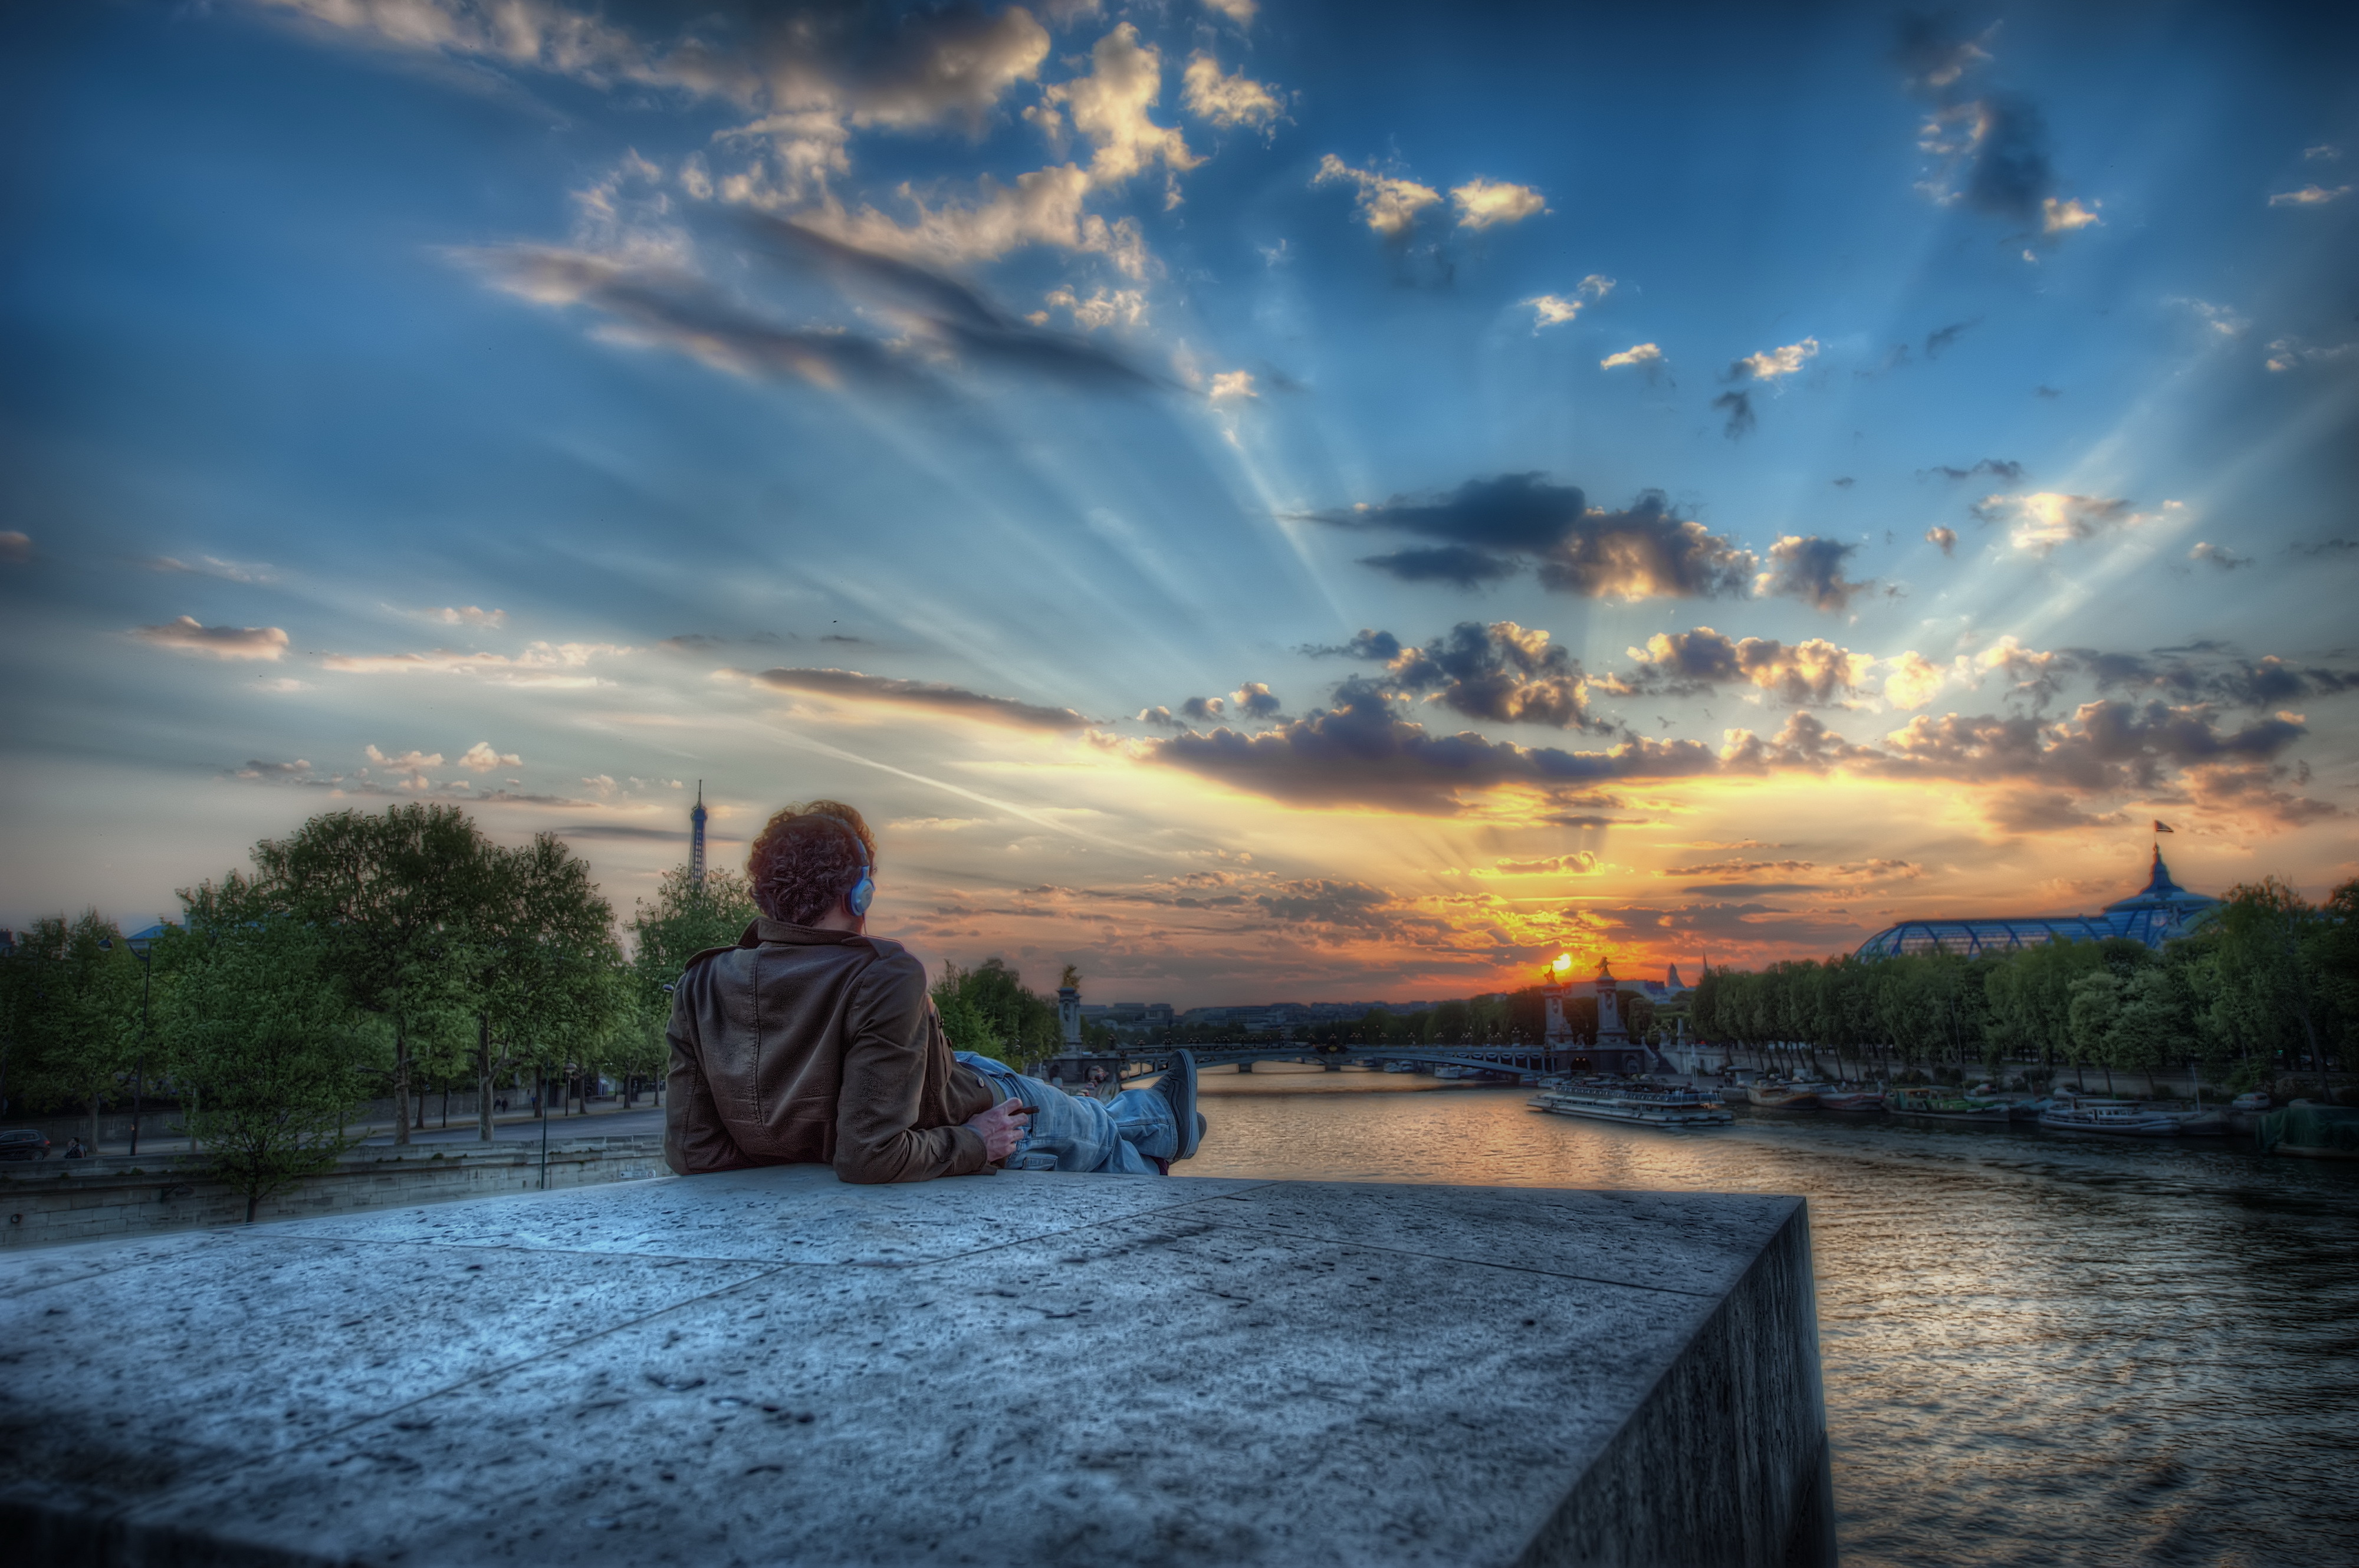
2312	1132
1852	1102
2124	1118
1400	1066
1937	1104
1775	1096
1635	1101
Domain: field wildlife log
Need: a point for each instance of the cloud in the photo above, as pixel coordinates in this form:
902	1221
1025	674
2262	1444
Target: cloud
1501	672
1366	643
1486	203
1740	868
2218	555
544	664
2106	746
1941	338
1946	538
2286	352
1646	354
407	762
1555	310
2310	196
1990	148
1161	718
1809	568
2046	519
1232	385
2223	321
468	616
1580	863
1741	418
214	566
1109	106
256	768
1202	708
850	685
1104	307
1683	663
186	634
16	549
481	758
1042	207
1254	699
1321	901
1387	203
1771	364
1998	468
1493	526
1362	753
1915	680
1227	100
1241	12
2326	152
2063	217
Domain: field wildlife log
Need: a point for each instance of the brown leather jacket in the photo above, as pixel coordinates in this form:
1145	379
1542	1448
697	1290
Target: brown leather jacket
800	1046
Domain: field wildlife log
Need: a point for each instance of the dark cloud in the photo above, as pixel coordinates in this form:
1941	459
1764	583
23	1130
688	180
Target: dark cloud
1320	901
2107	745
1741	419
1810	569
1161	717
2218	555
1254	699
2211	676
1996	467
952	313
1941	338
699	642
1501	672
2045	391
1364	644
2333	548
1846	483
1493	527
1946	538
1994	143
1461	564
852	686
1361	752
1202	708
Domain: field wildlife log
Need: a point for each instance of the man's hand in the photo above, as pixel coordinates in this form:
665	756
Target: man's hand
1002	1126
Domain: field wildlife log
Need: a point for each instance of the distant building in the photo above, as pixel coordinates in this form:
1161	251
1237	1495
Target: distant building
2155	913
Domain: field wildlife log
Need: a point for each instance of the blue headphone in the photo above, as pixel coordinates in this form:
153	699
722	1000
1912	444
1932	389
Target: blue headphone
862	893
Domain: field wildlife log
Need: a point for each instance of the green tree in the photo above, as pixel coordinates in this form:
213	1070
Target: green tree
545	979
2275	990
991	1003
74	1010
257	1028
389	895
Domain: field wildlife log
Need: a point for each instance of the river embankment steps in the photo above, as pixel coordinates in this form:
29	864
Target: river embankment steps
769	1366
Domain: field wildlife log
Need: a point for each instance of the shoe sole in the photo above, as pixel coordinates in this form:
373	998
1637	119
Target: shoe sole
1186	1120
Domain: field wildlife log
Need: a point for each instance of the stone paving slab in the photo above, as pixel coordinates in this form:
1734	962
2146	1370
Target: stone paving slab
771	1368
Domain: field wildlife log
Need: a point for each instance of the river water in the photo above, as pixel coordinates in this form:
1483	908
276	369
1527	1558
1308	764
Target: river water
2038	1348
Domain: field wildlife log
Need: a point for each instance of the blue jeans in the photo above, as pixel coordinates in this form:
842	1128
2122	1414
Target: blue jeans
1072	1132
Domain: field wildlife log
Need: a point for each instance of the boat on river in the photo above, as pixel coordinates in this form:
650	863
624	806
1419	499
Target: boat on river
1637	1101
2312	1132
1772	1095
1938	1105
1852	1102
2123	1119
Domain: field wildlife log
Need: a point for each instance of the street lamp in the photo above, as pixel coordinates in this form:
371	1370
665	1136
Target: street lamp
141	944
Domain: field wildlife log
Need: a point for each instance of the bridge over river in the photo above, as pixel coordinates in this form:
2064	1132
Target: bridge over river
1514	1059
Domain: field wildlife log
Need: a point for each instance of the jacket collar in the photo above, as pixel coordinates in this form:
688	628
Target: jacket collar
766	930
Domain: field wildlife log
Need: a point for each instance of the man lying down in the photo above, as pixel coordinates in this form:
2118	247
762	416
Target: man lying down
812	1042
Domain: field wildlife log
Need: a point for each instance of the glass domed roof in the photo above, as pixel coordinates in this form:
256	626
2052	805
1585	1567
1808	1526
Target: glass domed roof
2161	911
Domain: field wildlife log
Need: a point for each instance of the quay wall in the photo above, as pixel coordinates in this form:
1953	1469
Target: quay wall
43	1202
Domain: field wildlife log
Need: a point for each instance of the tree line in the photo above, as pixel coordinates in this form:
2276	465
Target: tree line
2266	984
362	956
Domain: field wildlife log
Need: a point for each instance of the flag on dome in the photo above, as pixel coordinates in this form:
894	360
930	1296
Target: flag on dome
2161	826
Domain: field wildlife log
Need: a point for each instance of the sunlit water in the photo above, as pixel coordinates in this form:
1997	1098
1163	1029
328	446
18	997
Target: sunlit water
2038	1348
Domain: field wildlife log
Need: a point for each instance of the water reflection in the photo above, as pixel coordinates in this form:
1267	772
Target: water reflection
2039	1349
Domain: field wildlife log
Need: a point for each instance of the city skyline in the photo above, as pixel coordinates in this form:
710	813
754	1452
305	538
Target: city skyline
1256	500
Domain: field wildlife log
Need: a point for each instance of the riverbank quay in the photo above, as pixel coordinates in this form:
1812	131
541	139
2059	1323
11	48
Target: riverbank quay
50	1202
771	1366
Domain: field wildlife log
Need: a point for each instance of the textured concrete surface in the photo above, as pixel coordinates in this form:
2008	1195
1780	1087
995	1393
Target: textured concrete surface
770	1367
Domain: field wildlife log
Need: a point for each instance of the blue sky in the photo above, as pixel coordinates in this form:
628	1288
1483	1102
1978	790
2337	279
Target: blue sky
1696	481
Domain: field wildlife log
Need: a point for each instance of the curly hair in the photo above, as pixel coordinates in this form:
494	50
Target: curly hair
807	858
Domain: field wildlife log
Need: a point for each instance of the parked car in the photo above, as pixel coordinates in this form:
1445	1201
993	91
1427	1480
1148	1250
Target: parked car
26	1143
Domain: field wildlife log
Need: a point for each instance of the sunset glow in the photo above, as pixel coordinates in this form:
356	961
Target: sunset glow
1263	503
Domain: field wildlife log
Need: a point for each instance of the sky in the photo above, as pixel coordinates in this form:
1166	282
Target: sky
1257	500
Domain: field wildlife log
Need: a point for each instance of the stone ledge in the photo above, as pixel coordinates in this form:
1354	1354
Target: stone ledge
770	1366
